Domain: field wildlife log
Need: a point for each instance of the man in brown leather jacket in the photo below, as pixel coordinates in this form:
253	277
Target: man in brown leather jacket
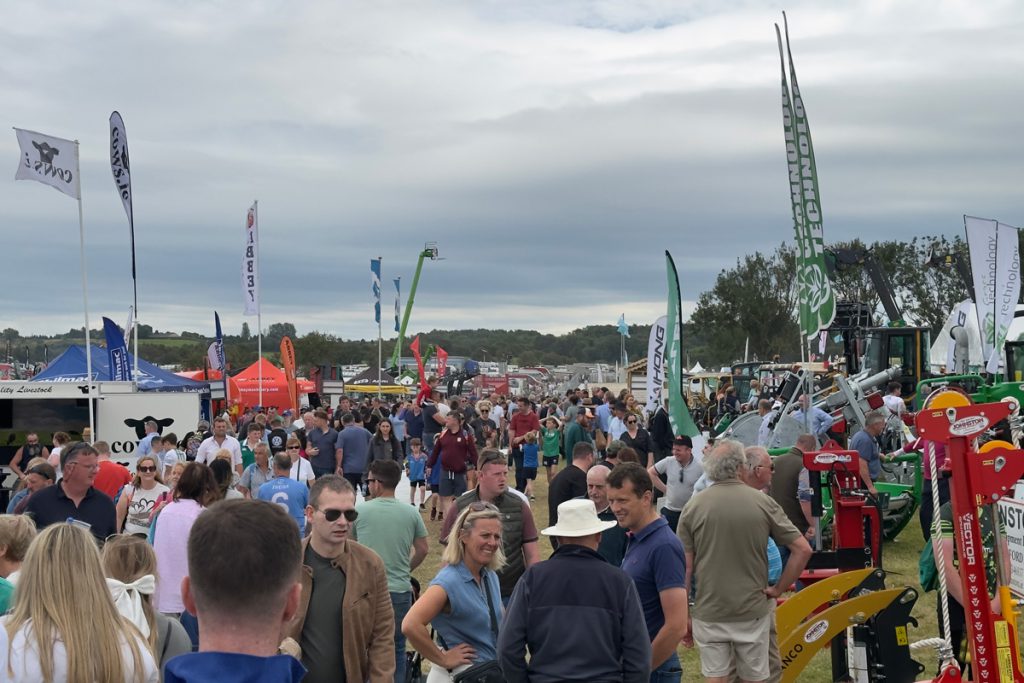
345	596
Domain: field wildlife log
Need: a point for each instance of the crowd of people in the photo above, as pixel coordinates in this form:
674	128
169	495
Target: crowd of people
653	546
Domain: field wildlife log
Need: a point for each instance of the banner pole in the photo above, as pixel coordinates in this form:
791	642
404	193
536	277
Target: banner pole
85	303
259	302
380	356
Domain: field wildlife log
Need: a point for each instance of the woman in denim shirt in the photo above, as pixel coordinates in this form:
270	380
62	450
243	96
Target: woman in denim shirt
461	598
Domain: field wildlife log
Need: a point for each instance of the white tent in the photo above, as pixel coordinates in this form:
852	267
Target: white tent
696	368
965	315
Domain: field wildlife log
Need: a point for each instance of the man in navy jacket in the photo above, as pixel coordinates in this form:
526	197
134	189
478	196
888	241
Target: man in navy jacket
608	640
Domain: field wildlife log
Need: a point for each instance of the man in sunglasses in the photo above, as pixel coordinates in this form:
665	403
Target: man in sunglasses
74	497
345	623
681	474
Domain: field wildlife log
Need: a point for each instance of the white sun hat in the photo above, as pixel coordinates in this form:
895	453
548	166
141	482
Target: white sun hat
577	517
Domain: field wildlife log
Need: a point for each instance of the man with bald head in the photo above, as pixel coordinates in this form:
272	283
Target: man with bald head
613	541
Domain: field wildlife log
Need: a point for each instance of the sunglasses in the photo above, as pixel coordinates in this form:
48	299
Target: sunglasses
147	469
758	467
292	448
631	422
332	515
480	506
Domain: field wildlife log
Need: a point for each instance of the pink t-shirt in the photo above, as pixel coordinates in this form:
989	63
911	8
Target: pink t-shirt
170	542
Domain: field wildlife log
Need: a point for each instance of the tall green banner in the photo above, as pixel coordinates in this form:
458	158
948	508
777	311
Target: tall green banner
678	412
817	302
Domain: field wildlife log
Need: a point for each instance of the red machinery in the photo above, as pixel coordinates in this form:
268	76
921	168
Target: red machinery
978	478
856	523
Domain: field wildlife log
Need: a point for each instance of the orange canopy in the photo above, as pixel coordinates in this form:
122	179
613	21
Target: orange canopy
275	385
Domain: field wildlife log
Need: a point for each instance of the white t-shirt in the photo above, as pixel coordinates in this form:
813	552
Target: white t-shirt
207	451
497	412
301	470
895	404
140	506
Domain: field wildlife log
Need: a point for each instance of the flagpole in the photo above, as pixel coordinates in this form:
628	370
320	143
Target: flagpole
85	303
259	306
380	356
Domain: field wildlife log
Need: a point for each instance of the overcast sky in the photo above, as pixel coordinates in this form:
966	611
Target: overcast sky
553	150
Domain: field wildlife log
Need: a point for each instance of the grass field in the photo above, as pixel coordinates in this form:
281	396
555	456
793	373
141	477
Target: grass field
899	558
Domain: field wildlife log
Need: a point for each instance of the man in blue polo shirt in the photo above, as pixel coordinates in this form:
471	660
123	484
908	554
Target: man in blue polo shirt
74	497
290	494
654	560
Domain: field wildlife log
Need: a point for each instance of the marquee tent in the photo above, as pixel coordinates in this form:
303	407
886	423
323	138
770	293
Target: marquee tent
70	367
275	386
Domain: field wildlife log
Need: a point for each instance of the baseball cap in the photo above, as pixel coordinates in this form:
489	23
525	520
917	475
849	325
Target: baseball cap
683	440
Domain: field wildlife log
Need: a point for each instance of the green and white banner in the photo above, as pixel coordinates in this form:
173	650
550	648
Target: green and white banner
817	302
678	413
995	265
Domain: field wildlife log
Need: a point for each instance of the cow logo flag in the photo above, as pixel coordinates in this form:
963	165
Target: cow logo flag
995	264
678	413
251	263
655	365
398	298
817	302
375	286
121	170
49	160
117	350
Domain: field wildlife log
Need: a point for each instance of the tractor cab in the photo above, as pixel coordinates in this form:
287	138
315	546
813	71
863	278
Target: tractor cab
886	347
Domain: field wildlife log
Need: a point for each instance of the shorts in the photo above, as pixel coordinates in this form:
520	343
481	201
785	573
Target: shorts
434	488
550	461
417	483
530	473
452	484
740	643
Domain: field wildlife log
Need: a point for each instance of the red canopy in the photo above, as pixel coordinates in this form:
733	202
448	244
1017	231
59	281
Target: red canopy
275	385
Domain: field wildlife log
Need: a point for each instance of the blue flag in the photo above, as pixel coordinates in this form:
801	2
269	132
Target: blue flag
398	299
120	367
623	327
375	285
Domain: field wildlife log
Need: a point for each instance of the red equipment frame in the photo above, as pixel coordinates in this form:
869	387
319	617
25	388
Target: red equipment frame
977	479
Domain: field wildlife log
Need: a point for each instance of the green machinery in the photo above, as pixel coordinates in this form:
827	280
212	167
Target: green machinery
429	251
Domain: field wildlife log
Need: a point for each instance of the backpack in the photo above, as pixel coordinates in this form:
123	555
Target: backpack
927	572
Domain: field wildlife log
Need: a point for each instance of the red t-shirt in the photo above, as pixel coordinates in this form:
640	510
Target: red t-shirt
524	422
111	477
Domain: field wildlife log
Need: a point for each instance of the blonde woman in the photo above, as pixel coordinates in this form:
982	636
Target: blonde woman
138	499
463	602
16	535
64	625
130	565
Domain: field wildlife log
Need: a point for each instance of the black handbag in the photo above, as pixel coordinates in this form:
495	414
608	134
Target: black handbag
413	667
489	671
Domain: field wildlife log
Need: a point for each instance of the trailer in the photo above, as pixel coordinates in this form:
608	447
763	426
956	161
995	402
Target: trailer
121	411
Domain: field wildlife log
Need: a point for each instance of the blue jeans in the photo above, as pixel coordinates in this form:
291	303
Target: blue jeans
671	671
400	602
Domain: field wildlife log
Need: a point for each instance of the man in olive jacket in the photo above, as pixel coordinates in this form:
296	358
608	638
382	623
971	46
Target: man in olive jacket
344	597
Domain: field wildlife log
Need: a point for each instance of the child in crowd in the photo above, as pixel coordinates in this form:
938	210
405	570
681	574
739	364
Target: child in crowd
171	454
531	452
551	438
415	468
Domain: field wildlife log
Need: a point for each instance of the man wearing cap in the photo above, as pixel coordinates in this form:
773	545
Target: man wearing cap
608	639
577	431
681	473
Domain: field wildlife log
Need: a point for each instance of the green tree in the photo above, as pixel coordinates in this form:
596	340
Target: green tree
756	300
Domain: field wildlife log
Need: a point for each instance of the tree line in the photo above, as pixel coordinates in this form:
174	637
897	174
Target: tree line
753	300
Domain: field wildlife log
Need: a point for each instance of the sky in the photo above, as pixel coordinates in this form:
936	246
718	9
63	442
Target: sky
552	150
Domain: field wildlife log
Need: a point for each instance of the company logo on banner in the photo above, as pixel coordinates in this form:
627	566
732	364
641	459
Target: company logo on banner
250	264
117	351
1011	517
288	360
49	160
995	265
656	365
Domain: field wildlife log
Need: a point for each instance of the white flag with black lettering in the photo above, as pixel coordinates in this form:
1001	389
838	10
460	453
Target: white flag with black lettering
251	264
656	348
49	160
